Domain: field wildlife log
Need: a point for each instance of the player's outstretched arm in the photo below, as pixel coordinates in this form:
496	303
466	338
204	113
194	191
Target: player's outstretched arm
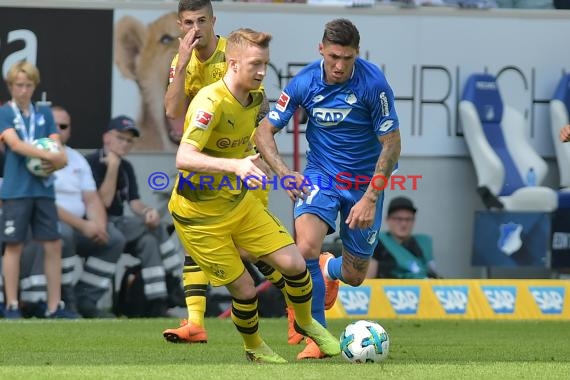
190	158
265	143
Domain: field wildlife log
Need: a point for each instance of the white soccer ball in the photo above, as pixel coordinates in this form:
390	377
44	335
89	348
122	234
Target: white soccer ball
34	164
364	342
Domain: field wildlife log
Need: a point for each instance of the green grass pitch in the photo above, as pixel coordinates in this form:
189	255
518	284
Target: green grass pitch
135	349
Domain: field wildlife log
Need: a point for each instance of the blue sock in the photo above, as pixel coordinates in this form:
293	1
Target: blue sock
335	268
318	305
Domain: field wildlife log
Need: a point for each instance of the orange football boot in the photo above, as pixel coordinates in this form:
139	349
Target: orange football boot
186	333
293	337
311	351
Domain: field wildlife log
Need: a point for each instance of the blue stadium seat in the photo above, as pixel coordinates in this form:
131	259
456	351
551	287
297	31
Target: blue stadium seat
559	117
497	137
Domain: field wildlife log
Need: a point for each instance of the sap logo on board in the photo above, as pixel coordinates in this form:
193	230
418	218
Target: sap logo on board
502	299
404	299
550	299
355	301
453	299
28	53
328	117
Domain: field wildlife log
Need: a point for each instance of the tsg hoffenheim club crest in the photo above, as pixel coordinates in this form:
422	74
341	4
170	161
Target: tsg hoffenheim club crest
510	238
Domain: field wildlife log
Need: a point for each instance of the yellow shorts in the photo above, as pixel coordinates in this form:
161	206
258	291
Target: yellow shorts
262	195
213	245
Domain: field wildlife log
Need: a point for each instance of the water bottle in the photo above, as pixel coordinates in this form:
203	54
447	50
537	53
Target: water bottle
531	177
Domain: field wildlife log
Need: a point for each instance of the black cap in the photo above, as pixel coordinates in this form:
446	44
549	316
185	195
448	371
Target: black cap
401	203
123	124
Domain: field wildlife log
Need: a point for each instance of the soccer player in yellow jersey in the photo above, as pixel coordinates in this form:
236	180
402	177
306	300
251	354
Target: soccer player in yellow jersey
200	61
214	217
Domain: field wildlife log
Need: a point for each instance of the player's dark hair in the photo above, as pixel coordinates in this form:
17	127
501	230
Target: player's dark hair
195	5
341	32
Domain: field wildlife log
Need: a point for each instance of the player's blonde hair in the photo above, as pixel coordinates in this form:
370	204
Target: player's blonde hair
31	71
244	37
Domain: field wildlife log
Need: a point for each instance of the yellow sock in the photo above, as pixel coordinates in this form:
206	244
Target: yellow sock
300	292
195	286
275	277
246	320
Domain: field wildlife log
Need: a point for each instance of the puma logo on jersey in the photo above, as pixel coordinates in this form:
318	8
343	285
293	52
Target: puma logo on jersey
328	117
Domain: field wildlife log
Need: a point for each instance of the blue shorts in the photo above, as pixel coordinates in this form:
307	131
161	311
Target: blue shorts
19	215
330	197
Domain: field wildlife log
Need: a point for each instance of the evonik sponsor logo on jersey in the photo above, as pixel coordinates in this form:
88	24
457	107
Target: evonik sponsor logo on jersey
404	299
502	299
549	299
328	117
355	301
453	299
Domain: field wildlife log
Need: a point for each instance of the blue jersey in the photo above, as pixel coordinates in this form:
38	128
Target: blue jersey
18	181
345	119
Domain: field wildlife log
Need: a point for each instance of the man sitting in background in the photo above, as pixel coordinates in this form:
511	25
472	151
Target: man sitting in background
145	234
399	253
84	231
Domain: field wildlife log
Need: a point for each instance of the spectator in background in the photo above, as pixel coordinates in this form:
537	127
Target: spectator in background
400	253
146	236
85	231
28	201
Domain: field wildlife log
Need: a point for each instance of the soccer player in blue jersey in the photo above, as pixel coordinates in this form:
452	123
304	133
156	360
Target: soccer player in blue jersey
354	145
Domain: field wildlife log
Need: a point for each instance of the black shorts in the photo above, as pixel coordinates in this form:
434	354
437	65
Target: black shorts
19	215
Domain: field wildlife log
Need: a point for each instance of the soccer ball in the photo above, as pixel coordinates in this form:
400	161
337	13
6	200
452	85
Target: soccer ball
34	164
364	342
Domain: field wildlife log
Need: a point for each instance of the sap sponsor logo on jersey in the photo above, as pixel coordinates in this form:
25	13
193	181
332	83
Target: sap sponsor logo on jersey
502	299
203	119
550	299
355	301
282	102
404	299
328	117
453	299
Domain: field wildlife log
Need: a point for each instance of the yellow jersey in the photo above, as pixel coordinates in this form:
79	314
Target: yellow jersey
219	126
200	74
